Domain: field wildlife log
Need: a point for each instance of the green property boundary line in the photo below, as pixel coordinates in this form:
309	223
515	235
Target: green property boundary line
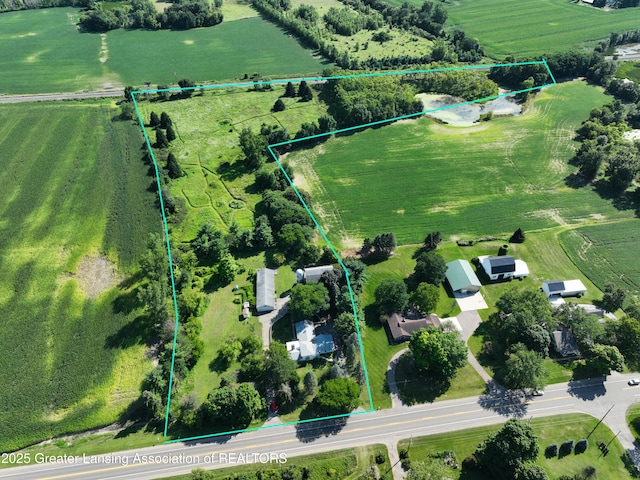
275	156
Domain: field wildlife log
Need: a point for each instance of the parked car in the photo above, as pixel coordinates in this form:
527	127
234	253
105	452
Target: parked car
634	381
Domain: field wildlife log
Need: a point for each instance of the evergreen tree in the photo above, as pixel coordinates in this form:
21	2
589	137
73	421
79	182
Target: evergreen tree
290	90
154	120
279	105
165	120
171	133
304	91
174	169
161	139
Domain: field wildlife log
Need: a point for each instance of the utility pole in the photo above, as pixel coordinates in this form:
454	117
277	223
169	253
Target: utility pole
600	421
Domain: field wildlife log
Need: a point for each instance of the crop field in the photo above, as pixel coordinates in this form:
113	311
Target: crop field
45	52
75	214
536	27
607	253
417	176
208	127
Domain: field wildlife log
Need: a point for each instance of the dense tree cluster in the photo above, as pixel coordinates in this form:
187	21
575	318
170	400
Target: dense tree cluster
357	101
465	84
438	353
346	21
181	15
14	5
504	453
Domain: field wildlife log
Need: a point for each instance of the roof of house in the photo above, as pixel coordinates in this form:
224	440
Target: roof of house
402	328
502	264
304	331
313	274
265	288
324	343
565	342
461	275
308	350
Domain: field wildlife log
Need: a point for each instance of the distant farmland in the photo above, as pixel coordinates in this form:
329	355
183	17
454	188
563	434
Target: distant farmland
45	52
414	177
73	190
607	253
537	27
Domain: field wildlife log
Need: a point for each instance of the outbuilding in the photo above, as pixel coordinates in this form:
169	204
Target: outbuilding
312	274
265	290
564	288
504	267
461	277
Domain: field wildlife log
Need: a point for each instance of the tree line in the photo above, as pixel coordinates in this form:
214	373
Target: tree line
181	15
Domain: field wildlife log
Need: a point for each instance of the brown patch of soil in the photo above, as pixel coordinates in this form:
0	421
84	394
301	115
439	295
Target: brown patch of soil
95	275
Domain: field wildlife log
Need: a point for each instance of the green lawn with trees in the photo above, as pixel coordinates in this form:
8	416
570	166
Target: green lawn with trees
45	52
542	27
76	207
548	430
515	168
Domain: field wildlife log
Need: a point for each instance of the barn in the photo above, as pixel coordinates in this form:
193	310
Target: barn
461	277
265	291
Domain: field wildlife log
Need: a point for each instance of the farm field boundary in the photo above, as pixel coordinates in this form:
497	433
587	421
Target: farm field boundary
313	218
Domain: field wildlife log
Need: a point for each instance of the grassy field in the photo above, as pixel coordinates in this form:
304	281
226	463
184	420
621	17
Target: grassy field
549	430
208	127
348	464
74	208
45	52
402	178
630	70
633	419
606	253
536	27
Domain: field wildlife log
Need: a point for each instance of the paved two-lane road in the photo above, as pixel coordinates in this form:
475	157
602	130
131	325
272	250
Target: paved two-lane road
59	96
592	396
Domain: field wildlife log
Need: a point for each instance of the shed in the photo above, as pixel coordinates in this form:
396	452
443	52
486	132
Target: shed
461	277
265	290
566	288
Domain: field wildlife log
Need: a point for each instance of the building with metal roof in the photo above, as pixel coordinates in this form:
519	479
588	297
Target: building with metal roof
265	290
566	288
461	277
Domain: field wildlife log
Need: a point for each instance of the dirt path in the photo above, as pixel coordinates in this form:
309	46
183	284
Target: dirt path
60	96
268	319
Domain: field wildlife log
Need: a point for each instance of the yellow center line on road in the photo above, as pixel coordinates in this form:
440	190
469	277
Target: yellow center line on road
272	444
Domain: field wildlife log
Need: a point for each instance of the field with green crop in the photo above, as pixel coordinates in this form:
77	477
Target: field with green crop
554	429
418	176
75	213
45	52
536	27
208	128
607	253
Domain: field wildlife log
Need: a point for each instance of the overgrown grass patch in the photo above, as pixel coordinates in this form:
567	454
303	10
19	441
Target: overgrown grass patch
74	189
630	70
554	429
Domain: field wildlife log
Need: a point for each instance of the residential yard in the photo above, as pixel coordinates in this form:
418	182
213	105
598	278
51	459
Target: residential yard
554	429
514	175
75	217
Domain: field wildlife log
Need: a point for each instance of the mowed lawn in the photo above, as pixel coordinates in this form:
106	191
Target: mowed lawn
73	190
607	253
537	27
43	51
417	176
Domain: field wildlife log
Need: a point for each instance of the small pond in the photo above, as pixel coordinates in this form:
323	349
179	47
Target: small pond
465	115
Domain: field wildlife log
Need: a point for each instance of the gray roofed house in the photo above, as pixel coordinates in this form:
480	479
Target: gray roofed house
401	328
265	290
461	277
565	342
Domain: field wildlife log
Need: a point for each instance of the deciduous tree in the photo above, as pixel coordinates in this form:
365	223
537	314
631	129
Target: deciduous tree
438	353
524	368
338	395
307	300
391	295
425	297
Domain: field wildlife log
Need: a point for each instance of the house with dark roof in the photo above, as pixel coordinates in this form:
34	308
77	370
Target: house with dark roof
565	342
461	277
265	290
566	288
400	328
503	267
